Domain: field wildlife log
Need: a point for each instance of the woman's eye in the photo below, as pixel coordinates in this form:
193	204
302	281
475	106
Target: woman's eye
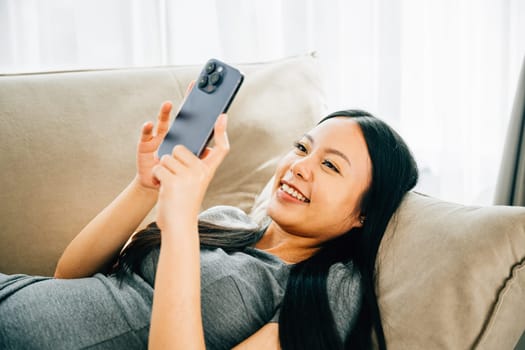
300	147
330	165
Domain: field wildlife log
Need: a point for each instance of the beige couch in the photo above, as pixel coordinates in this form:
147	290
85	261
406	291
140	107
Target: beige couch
449	276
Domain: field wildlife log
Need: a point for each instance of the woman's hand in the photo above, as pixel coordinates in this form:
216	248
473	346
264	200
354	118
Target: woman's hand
176	321
184	178
150	141
149	144
96	246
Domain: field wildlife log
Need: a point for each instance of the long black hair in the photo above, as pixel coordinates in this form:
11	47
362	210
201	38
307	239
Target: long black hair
394	173
306	320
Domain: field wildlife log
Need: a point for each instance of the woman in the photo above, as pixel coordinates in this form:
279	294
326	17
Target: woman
305	280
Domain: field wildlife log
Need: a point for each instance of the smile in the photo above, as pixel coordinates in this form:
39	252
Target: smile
294	193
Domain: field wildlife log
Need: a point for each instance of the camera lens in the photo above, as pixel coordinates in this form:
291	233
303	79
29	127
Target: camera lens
215	78
203	81
210	67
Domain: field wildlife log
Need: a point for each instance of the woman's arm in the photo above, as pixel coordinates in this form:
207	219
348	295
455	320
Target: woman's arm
97	245
176	314
265	338
176	321
101	240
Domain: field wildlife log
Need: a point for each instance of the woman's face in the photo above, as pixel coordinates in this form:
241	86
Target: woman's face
319	183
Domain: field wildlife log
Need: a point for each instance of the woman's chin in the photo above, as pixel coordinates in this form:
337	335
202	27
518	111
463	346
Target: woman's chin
283	212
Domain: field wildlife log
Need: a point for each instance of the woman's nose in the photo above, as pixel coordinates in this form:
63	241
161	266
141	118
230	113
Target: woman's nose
302	168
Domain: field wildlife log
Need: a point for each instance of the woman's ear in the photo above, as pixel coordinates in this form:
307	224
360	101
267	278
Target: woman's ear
358	220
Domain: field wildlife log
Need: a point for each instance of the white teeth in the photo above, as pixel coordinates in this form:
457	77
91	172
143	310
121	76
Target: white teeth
293	192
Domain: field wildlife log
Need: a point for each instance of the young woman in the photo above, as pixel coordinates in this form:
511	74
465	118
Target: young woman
304	280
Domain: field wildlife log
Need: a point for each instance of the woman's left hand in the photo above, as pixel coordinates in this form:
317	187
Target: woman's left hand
184	178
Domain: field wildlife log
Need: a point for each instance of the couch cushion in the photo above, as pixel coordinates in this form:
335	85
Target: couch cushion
452	276
69	138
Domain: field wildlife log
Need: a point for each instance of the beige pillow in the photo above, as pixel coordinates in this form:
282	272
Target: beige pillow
453	276
69	138
450	276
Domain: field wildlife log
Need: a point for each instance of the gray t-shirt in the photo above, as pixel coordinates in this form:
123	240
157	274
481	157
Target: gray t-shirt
250	286
241	292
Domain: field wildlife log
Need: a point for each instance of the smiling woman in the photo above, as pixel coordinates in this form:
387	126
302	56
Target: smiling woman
311	269
332	198
327	221
361	193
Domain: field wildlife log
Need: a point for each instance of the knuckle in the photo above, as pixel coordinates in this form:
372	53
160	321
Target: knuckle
165	159
178	149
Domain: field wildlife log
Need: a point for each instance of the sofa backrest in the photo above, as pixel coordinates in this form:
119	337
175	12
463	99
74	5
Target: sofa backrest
68	144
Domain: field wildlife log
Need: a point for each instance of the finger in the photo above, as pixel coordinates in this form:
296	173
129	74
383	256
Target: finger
172	164
163	119
222	144
147	132
220	135
184	155
161	173
188	89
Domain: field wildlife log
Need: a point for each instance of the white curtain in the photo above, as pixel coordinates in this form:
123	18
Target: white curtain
442	72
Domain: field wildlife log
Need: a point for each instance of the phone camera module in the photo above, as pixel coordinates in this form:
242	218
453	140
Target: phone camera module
211	77
215	78
210	67
203	81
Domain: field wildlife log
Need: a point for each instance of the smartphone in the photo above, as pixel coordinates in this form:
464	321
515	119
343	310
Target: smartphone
211	95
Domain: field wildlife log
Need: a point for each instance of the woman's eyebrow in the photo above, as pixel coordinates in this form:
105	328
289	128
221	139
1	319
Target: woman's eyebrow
330	150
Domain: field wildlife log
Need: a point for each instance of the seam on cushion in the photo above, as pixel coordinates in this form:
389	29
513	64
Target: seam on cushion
500	296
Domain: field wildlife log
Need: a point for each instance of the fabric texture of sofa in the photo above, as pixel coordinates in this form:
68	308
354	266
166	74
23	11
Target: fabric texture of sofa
449	276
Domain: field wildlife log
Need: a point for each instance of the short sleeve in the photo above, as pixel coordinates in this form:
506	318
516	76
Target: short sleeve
275	318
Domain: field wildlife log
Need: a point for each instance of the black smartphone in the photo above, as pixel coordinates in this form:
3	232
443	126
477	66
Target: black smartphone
211	95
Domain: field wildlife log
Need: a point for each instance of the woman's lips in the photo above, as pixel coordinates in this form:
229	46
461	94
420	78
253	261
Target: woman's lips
290	192
286	197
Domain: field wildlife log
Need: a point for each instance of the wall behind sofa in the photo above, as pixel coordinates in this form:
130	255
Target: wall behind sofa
442	72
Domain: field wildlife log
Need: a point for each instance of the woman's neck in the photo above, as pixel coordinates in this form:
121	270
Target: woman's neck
287	246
